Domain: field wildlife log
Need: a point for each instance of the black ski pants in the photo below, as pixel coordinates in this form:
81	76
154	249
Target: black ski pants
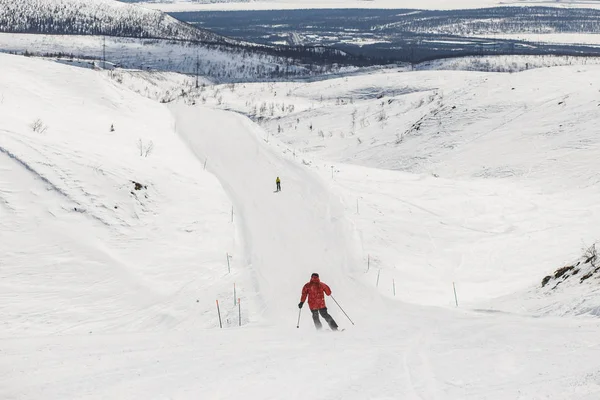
326	317
278	186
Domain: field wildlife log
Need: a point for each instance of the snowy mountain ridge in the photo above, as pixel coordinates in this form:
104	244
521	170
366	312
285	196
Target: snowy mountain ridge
96	17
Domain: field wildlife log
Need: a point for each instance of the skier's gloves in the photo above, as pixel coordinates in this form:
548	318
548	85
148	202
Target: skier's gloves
300	304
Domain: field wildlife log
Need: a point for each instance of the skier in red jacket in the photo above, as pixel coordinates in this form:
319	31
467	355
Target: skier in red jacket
315	290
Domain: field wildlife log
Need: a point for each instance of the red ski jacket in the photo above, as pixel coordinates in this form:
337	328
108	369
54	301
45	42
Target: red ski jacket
315	290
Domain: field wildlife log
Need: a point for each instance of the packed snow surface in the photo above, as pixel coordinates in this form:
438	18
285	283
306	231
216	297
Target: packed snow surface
123	220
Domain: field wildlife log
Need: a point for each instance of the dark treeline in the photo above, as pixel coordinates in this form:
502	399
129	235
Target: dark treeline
381	36
507	20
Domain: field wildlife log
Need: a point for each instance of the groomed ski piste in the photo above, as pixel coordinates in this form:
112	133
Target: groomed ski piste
116	243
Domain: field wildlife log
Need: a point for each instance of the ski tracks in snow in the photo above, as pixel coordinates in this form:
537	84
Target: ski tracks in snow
419	373
286	236
289	234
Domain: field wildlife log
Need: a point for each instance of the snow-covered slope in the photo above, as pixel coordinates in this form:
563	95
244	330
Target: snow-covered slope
436	121
84	248
279	258
95	17
518	144
104	302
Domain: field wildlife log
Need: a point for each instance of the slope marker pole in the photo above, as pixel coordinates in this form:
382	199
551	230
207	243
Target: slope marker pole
219	313
455	298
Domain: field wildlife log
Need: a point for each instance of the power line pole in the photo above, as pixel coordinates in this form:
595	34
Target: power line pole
197	69
104	53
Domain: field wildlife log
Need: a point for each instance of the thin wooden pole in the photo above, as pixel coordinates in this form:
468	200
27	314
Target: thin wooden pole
455	298
219	313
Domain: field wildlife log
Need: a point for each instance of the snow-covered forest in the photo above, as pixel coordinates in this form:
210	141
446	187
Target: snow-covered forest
97	17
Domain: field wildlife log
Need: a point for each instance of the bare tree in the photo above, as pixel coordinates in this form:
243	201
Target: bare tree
591	255
145	150
38	126
382	116
149	149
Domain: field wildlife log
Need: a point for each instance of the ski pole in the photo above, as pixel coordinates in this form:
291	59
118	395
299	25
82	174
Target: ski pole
338	304
298	324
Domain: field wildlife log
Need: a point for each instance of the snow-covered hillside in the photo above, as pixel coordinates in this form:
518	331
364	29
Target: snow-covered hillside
96	237
517	143
134	37
219	63
95	17
504	63
561	38
117	242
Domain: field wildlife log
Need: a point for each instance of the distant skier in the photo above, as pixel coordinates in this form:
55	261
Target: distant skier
316	290
278	183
